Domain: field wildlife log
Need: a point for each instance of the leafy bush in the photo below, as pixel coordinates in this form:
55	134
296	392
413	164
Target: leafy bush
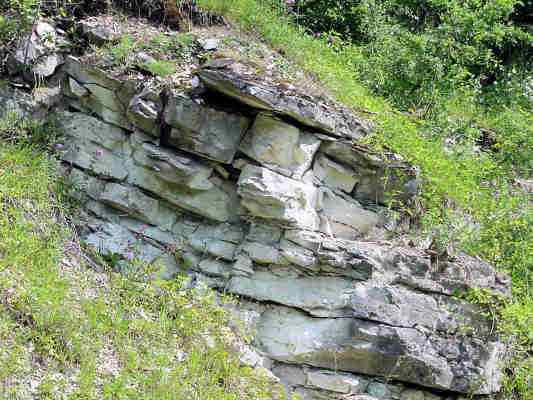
424	55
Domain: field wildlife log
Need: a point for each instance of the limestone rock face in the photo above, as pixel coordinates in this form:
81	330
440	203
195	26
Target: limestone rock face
204	131
238	81
280	146
370	348
92	90
272	199
379	177
144	110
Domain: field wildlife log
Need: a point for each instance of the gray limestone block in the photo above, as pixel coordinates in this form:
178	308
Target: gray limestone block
280	146
271	196
343	217
413	268
100	31
240	82
402	307
335	382
94	145
202	130
324	297
168	167
380	177
333	174
137	204
93	90
370	348
143	112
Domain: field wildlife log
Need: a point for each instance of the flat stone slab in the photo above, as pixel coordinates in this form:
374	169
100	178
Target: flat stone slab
405	354
240	82
271	196
204	131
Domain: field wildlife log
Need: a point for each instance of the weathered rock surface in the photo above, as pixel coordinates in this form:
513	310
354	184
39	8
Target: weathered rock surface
280	146
100	31
204	131
92	90
240	82
270	198
370	348
343	217
379	177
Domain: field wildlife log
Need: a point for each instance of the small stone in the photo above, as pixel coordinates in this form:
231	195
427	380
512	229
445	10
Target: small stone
379	390
210	44
335	382
100	31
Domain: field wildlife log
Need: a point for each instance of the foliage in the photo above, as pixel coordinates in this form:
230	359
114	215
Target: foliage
164	52
161	68
74	333
424	55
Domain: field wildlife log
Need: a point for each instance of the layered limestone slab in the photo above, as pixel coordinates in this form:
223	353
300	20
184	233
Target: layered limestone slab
143	112
379	177
327	296
282	229
210	133
271	196
402	307
240	82
334	175
94	145
181	180
92	89
280	146
370	348
169	166
343	217
413	268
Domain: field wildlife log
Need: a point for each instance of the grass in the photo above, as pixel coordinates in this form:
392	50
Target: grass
166	52
69	332
458	186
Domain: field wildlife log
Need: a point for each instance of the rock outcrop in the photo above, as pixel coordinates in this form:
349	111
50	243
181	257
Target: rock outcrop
271	198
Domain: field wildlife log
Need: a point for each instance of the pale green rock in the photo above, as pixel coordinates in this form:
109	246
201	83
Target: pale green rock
137	204
344	217
94	145
271	196
335	382
379	390
327	296
280	146
334	175
202	130
411	394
